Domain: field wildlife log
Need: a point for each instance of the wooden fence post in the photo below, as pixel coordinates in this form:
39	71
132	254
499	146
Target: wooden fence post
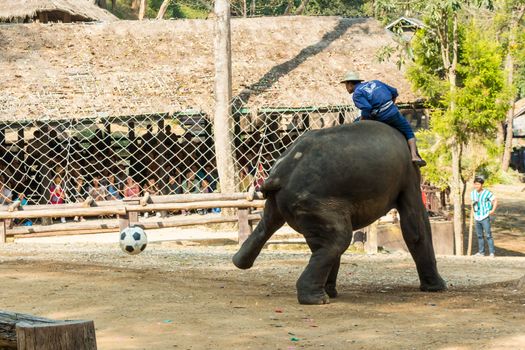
245	228
3	229
371	238
129	218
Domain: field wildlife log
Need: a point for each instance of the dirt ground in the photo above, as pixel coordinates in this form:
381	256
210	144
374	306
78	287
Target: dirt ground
178	295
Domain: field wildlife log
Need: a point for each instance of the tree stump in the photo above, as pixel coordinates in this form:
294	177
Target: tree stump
27	332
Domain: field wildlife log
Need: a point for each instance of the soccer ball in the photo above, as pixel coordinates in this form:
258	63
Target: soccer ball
133	240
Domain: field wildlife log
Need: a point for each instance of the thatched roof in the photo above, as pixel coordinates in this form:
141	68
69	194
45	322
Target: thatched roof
123	68
54	10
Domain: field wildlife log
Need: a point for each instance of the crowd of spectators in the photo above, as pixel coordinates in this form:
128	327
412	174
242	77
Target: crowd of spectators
54	168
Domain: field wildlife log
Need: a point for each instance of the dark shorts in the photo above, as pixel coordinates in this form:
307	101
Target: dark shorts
400	123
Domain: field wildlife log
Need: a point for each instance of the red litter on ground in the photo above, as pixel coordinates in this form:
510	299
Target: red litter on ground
279	311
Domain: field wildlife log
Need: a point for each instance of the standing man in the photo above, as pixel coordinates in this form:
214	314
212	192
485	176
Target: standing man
377	101
484	204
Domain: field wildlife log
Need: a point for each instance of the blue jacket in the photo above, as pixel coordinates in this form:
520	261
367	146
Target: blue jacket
374	99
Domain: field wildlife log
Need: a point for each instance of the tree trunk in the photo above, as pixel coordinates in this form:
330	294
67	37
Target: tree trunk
301	7
505	162
223	122
135	4
289	7
113	3
142	9
102	4
509	67
500	133
253	8
457	196
163	8
244	8
456	187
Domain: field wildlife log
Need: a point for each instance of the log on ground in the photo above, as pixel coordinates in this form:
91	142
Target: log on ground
28	332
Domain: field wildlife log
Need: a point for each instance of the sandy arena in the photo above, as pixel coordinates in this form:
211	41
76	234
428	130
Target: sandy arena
183	293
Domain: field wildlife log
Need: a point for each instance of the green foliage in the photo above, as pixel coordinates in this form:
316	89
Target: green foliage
519	57
185	11
434	150
344	8
427	72
480	101
123	10
201	8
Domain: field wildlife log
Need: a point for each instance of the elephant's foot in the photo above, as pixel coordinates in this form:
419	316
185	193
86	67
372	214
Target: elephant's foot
436	286
242	262
312	298
309	299
331	290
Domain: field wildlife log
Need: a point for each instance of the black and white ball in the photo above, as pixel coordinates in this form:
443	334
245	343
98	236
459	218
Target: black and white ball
133	240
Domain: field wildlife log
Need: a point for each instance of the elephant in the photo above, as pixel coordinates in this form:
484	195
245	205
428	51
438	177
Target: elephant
333	181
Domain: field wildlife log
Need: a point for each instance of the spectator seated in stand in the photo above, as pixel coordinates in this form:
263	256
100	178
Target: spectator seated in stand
190	185
204	188
23	202
153	190
211	176
246	179
131	188
112	188
80	192
5	194
97	191
173	186
57	194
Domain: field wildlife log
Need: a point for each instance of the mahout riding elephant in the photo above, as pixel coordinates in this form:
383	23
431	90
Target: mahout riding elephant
336	180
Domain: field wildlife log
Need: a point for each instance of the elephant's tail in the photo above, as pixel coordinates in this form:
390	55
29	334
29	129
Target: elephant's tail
271	184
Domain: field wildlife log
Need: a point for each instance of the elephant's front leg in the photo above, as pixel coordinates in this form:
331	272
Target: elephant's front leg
317	283
418	238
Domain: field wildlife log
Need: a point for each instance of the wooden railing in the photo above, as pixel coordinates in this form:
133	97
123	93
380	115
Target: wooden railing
127	211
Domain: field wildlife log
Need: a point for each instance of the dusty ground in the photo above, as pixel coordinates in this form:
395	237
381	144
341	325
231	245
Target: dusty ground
176	296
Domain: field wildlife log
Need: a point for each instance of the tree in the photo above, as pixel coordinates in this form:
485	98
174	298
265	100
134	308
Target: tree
452	79
513	12
289	7
443	18
142	9
223	121
301	7
163	8
244	9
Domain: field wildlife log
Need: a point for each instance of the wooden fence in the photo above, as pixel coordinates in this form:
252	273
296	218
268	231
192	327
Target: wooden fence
127	211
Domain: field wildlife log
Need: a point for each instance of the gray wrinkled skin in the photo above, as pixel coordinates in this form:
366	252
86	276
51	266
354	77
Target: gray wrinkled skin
336	180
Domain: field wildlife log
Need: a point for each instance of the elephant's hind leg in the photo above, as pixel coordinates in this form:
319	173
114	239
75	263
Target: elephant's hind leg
328	236
418	238
272	220
331	282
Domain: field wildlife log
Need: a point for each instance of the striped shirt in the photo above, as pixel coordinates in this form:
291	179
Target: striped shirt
481	203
